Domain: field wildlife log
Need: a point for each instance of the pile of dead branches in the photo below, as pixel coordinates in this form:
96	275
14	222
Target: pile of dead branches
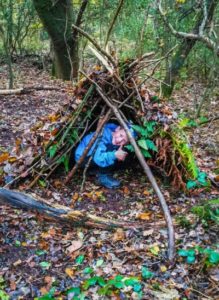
97	98
112	93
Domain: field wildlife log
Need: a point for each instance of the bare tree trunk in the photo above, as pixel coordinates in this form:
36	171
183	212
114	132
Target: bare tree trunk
57	19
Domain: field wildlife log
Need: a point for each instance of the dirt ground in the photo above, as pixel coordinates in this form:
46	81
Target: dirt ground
39	255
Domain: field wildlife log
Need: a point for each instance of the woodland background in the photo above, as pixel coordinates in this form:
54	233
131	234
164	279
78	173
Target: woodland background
39	48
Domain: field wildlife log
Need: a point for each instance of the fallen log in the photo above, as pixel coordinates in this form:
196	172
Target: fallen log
27	90
61	213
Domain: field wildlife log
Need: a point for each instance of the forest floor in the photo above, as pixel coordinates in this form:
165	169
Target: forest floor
42	257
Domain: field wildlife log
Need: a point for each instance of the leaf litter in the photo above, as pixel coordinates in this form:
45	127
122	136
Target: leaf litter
39	257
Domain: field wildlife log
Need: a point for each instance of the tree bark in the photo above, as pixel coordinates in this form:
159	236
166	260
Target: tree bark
57	19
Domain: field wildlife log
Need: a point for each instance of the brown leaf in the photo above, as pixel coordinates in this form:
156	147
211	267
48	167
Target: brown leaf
144	215
146	193
13	285
119	235
69	272
43	290
17	263
4	157
75	245
126	190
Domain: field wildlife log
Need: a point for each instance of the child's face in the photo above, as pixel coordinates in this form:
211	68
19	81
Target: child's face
119	137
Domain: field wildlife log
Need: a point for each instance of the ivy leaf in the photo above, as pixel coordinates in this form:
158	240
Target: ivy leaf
143	144
101	281
52	151
40	252
45	264
151	145
190	259
183	253
99	262
90	282
191	252
94	280
146	153
137	287
118	284
202	178
75	291
79	260
88	270
129	148
214	258
191	184
131	281
146	274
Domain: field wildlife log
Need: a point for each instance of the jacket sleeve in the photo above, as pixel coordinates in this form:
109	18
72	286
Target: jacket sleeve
102	157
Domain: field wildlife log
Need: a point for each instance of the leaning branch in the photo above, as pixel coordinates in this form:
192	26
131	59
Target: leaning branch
147	170
85	34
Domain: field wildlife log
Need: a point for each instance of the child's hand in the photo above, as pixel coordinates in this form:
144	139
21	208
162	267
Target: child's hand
120	154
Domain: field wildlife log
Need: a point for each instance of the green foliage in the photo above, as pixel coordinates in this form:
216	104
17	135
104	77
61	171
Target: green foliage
183	221
201	181
208	211
93	281
3	295
146	274
52	150
209	256
186	122
48	296
45	264
181	145
80	259
144	142
75	293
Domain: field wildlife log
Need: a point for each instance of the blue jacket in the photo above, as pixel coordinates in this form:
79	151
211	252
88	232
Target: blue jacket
104	150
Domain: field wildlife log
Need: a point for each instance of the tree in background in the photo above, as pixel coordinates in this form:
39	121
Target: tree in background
57	18
16	18
189	33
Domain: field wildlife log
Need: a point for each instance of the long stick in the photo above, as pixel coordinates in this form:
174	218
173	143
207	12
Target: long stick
147	170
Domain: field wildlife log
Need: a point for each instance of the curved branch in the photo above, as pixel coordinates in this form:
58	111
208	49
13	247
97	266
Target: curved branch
191	36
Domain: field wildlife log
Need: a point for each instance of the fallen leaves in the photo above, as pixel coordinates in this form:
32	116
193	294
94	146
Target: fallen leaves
75	245
4	156
144	216
119	235
69	272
